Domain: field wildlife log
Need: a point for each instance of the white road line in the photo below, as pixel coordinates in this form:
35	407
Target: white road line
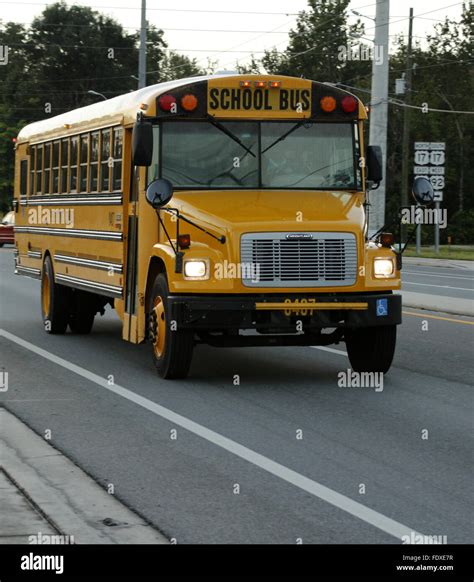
439	286
332	497
432	275
330	350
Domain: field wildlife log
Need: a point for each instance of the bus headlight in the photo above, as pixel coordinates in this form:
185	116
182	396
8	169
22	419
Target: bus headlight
196	269
383	268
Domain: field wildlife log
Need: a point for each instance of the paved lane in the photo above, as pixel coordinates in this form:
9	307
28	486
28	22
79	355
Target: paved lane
187	487
445	281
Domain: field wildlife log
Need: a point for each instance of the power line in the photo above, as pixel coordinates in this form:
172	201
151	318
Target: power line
401	104
123	48
458	61
160	9
226	30
428	109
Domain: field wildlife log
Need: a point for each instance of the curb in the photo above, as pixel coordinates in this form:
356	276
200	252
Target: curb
70	501
446	263
449	305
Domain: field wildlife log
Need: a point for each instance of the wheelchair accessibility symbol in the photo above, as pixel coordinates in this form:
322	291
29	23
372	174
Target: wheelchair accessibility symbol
382	307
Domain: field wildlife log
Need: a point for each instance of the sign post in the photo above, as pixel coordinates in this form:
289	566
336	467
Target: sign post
430	158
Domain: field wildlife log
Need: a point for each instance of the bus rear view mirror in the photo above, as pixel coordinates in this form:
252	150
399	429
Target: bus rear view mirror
423	191
142	143
374	164
159	193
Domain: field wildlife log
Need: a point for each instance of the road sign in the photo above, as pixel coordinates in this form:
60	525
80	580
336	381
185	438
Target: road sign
437	182
430	145
430	157
422	157
437	158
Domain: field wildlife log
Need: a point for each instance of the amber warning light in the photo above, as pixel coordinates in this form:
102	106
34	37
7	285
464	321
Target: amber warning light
189	102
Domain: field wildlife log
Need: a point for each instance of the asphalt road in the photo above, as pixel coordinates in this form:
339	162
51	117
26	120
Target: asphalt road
445	281
187	487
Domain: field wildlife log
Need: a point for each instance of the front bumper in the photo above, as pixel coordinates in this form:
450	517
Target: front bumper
282	312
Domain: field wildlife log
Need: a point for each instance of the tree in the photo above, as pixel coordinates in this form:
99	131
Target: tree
67	51
321	45
443	78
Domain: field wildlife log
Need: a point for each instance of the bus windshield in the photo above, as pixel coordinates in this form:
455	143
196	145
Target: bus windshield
243	154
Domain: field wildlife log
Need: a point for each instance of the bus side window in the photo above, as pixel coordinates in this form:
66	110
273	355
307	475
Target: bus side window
55	169
47	168
83	161
64	164
23	177
117	156
104	160
39	169
32	170
94	161
73	167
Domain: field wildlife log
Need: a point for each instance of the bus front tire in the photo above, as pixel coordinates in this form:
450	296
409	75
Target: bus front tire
172	349
55	301
371	349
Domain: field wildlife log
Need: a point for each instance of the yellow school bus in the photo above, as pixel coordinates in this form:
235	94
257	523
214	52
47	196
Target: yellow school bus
230	210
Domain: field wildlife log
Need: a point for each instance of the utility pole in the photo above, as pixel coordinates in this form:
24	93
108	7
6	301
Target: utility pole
379	108
406	125
142	54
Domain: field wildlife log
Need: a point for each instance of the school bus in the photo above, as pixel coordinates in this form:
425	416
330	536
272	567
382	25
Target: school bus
230	210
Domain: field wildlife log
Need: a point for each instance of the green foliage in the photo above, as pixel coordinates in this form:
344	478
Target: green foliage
460	228
314	50
66	52
443	79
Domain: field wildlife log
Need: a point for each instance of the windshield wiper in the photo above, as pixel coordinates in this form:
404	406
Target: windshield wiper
285	135
227	131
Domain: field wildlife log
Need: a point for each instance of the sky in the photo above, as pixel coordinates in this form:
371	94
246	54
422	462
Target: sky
209	30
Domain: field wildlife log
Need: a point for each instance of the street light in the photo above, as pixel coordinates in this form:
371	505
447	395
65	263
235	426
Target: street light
97	94
362	15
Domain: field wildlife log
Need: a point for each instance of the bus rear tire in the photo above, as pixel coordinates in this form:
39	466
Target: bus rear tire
82	313
172	350
371	349
55	301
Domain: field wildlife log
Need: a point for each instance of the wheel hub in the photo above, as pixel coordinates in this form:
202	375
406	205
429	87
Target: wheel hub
158	327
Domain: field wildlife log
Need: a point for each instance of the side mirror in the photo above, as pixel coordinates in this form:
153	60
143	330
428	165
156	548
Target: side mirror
423	191
374	163
159	193
142	143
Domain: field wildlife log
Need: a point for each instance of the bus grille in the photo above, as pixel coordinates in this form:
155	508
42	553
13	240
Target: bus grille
281	259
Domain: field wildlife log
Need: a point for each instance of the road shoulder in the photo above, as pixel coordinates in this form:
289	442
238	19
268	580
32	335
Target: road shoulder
47	494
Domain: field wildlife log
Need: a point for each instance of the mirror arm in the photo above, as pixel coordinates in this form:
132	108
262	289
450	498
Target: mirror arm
166	232
179	254
179	216
220	239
